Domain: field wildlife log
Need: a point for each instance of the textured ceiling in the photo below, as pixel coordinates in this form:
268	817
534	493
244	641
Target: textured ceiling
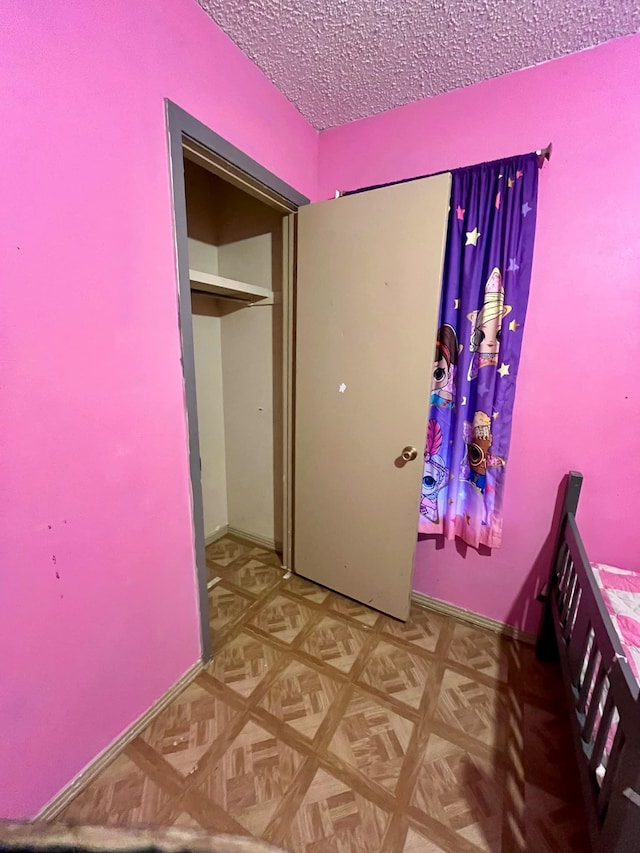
340	60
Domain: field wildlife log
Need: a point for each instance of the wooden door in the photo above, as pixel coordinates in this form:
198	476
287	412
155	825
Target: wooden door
368	291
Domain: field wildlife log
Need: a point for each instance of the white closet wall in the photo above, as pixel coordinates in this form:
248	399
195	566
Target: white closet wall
207	345
247	260
237	352
203	256
247	376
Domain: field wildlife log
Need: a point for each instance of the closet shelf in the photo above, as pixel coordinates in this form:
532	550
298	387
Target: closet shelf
220	286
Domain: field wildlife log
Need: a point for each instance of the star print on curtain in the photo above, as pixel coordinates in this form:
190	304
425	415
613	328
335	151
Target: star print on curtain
485	290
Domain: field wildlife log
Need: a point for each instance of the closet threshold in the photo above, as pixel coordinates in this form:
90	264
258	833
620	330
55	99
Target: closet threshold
217	285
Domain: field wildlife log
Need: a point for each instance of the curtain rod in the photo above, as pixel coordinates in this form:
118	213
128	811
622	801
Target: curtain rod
543	154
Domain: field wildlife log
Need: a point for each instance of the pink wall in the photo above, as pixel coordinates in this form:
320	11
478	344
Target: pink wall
97	601
578	398
97	596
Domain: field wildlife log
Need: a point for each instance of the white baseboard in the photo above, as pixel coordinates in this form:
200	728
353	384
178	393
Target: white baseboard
218	533
473	618
62	799
263	542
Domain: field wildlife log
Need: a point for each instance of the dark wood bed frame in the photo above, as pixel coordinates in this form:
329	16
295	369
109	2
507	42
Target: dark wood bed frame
601	688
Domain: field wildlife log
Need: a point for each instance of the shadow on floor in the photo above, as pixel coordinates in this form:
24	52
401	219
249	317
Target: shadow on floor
534	772
322	726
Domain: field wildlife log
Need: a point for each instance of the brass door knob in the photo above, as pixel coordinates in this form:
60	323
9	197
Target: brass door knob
409	454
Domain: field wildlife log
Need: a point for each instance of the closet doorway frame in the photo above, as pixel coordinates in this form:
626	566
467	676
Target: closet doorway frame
217	155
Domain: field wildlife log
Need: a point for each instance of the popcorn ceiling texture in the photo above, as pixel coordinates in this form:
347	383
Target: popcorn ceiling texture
341	60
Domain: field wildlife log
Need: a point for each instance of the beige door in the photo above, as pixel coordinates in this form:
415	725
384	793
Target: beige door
368	291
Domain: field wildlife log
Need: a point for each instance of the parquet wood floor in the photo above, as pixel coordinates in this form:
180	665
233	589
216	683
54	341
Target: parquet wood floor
322	726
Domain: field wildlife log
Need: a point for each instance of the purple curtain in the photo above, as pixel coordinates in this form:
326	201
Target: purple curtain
487	271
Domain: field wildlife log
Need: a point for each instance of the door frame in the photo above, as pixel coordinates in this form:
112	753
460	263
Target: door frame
224	159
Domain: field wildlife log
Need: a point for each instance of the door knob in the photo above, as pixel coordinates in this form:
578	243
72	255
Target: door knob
409	454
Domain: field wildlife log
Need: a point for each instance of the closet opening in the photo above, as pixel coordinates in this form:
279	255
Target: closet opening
235	263
235	254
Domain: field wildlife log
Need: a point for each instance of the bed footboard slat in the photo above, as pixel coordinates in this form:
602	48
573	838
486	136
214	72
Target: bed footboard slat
562	566
566	600
604	729
594	704
577	646
572	609
611	773
620	831
594	657
601	688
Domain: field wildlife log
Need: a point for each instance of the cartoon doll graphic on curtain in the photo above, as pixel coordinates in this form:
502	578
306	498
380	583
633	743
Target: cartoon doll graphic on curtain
479	458
435	474
486	325
444	368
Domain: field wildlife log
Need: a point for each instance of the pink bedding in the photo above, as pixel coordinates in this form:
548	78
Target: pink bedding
621	594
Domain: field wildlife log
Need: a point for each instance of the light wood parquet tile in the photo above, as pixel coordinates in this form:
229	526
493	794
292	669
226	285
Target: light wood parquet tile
422	628
225	605
551	824
155	768
210	815
271	558
283	618
326	727
243	662
213	571
539	683
254	576
185	730
227	550
182	820
480	649
353	609
473	708
396	672
305	589
251	777
301	697
372	739
121	796
335	642
333	817
178	813
547	745
461	791
417	843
